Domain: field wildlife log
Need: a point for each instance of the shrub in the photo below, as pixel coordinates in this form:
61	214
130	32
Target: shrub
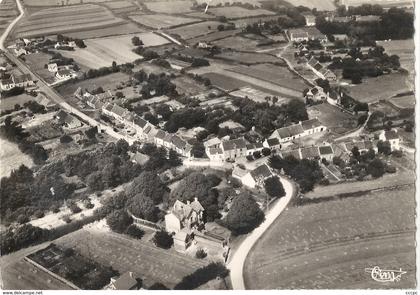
163	239
39	214
119	220
66	219
89	205
134	231
266	152
324	181
74	208
256	154
249	158
22	219
66	139
55	208
200	254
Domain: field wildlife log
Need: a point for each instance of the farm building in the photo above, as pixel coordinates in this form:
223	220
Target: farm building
256	177
301	129
306	34
272	143
320	70
66	120
234	148
392	137
316	94
24	80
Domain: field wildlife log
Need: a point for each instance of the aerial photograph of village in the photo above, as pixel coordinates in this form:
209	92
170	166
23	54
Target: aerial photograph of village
207	145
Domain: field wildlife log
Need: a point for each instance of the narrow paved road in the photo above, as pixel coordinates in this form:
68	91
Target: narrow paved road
11	25
237	261
49	91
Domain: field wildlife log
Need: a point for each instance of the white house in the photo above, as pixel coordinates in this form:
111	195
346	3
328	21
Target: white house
64	74
391	137
316	94
256	177
304	128
309	18
185	216
52	67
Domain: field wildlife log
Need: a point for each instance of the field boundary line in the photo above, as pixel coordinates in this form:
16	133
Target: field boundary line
39	266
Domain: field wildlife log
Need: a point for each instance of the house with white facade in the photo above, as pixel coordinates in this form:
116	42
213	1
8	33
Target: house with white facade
392	137
304	128
184	216
256	177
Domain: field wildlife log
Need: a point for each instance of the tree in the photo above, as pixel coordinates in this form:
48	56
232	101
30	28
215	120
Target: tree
134	231
143	207
136	41
203	275
355	152
244	215
118	220
174	159
376	168
148	148
163	239
384	147
274	187
149	185
257	154
200	254
266	152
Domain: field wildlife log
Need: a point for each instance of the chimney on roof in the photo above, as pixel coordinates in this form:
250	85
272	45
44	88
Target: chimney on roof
188	202
195	199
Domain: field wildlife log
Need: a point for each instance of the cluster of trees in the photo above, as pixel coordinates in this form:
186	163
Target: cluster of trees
136	41
147	54
305	172
103	168
266	117
12	92
59	59
203	275
375	63
24	236
186	117
22	194
394	23
200	186
14	132
103	71
196	62
273	187
244	215
160	84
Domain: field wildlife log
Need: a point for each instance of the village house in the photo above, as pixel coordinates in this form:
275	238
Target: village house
316	94
362	145
310	153
320	70
127	281
64	74
184	216
52	67
272	143
309	18
326	152
173	142
391	137
304	128
67	121
24	80
253	147
234	148
256	177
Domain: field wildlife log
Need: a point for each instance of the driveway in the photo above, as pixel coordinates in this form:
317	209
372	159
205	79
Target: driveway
237	260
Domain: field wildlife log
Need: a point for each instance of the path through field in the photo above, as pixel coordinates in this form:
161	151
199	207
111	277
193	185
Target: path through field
237	260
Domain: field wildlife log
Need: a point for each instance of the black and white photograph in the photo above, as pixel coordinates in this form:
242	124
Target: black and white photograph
221	145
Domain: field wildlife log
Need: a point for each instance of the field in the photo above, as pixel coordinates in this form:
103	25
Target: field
11	157
188	86
238	43
161	21
36	62
10	102
65	20
406	101
238	12
8	12
195	30
101	52
58	2
318	4
332	117
223	2
248	58
386	3
171	7
274	74
382	87
329	245
152	264
121	29
213	36
405	50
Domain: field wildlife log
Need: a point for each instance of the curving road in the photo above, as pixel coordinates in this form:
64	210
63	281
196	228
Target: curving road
6	32
237	260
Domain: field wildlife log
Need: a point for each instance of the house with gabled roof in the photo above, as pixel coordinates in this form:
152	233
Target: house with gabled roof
255	178
392	137
126	281
234	148
184	216
272	143
326	152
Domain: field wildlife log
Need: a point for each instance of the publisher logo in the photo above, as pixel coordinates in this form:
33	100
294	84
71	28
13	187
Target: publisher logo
385	275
